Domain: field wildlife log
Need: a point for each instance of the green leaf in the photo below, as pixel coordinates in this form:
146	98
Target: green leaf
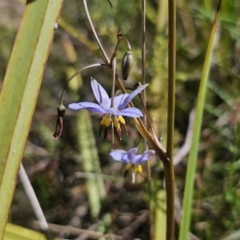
20	233
192	160
20	91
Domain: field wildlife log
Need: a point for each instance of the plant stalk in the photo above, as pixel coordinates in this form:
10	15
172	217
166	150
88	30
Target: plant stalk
168	166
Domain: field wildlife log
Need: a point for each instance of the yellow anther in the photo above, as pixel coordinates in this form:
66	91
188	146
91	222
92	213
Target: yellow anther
116	122
139	168
126	170
106	121
128	167
134	169
121	120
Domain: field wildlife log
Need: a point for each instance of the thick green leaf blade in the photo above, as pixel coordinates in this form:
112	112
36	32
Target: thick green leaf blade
20	91
13	231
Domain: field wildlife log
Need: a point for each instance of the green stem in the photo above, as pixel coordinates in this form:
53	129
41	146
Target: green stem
170	188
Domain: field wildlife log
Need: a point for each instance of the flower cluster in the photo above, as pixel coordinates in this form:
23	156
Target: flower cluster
113	110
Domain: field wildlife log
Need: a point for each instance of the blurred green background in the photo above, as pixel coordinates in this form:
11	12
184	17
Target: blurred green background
57	169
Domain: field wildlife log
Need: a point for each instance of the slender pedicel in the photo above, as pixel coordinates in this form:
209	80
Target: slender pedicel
61	108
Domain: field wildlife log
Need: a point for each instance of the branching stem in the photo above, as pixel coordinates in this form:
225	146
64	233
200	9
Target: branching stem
166	157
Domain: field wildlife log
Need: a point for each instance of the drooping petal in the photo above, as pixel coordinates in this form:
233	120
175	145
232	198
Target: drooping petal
93	107
130	112
117	154
131	96
100	93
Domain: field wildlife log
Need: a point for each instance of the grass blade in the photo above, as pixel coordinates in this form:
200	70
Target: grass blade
192	160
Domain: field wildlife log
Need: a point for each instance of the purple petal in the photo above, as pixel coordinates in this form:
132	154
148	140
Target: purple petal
93	107
131	154
130	112
146	155
100	93
111	111
119	99
137	159
140	158
149	152
117	154
131	96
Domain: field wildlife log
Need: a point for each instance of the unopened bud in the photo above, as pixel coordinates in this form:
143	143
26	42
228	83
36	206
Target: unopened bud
127	61
59	123
119	34
61	110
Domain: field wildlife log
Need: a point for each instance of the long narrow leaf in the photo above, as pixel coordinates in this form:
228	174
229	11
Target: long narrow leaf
192	160
20	91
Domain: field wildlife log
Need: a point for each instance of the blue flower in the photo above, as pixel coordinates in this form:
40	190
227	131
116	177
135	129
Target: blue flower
112	114
132	159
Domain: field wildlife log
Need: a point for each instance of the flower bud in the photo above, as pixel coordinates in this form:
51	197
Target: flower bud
59	123
127	64
61	110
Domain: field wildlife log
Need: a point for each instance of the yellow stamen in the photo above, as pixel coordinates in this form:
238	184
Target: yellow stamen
121	120
116	122
126	170
128	167
135	169
138	169
106	121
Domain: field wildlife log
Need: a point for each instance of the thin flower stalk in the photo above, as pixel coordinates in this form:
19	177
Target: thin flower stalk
61	107
169	166
105	57
113	91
